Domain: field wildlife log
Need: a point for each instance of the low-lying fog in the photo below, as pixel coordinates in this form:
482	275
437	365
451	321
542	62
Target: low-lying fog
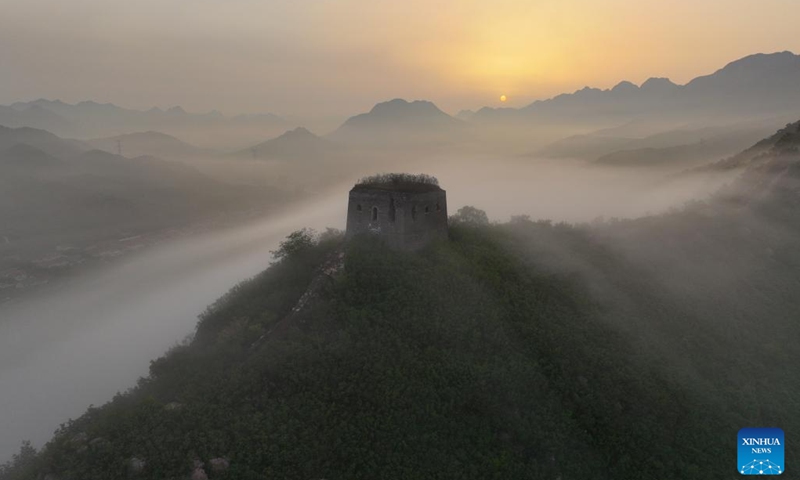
79	344
562	189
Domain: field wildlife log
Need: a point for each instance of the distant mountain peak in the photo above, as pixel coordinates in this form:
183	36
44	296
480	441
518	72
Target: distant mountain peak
296	144
399	121
401	110
624	86
177	110
658	83
299	132
399	105
295	135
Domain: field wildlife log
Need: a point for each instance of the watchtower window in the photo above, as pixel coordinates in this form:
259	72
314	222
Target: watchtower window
438	207
427	209
414	212
358	207
374	213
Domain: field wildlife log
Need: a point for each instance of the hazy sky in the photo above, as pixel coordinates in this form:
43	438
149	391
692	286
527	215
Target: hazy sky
335	57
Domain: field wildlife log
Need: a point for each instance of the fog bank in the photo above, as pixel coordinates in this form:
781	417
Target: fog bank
67	349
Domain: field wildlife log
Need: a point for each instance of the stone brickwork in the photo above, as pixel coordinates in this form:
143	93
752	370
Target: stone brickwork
406	216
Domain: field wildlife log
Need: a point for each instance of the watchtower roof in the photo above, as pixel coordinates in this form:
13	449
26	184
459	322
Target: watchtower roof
399	182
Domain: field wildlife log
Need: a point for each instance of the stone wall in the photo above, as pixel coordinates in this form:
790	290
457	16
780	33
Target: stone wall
406	220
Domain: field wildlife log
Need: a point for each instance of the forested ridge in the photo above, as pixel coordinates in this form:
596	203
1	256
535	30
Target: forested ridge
483	357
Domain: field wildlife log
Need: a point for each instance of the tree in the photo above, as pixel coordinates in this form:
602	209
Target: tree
330	234
295	242
19	462
471	216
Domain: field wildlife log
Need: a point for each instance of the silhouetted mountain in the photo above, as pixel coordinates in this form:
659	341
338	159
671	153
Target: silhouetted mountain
91	119
297	144
763	82
34	116
149	143
41	140
658	86
400	122
757	84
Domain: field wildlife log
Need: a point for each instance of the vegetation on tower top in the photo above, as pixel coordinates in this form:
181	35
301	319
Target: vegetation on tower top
399	181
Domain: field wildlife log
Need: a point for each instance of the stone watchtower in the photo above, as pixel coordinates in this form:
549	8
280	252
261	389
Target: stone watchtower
407	211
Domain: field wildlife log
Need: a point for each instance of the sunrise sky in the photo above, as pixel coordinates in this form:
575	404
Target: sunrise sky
338	57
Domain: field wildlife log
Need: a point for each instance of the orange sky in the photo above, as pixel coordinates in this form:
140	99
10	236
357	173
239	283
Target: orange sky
337	57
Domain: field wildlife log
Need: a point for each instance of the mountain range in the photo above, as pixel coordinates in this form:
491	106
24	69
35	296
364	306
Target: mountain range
756	84
90	119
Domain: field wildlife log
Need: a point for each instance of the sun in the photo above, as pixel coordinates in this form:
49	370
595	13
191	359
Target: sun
503	98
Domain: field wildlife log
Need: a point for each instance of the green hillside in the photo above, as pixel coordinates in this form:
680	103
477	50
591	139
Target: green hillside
524	350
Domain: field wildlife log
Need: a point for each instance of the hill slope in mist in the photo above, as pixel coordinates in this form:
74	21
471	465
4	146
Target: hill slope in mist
63	204
42	140
680	147
71	179
298	144
149	143
785	142
522	350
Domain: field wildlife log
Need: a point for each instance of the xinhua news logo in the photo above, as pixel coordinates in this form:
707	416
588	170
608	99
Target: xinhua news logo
760	451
